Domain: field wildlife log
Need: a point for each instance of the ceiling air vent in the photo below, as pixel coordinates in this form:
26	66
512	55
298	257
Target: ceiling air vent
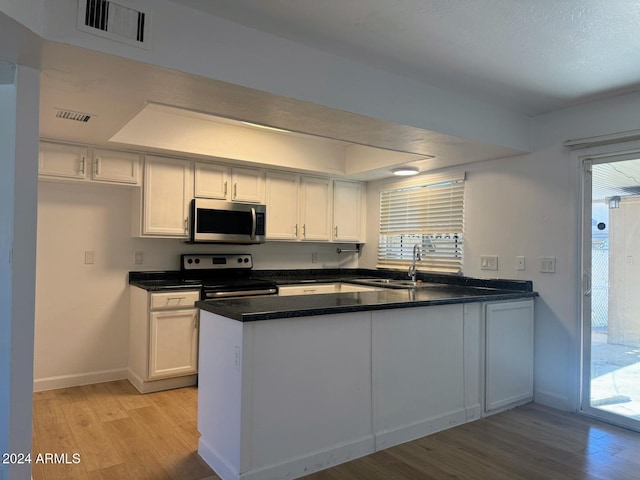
114	20
69	115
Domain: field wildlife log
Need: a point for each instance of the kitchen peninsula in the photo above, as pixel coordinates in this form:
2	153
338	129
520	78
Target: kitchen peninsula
289	385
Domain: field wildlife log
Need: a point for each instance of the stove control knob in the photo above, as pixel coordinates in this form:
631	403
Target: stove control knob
239	260
197	261
246	260
190	261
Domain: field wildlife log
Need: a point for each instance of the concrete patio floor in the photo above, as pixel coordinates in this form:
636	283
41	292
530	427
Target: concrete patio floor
615	376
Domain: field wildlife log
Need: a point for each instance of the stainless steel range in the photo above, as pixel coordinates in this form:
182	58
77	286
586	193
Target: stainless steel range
225	275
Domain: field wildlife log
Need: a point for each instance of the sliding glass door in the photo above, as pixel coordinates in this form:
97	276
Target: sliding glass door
611	289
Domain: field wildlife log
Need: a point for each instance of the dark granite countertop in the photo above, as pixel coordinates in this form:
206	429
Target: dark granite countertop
448	289
248	309
172	279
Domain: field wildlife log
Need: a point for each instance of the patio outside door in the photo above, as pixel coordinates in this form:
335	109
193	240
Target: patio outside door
611	289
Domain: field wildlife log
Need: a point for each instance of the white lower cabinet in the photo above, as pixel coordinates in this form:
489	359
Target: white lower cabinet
508	355
417	371
163	339
321	288
173	343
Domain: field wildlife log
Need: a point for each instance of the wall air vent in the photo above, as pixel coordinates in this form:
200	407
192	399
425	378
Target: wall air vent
69	115
114	20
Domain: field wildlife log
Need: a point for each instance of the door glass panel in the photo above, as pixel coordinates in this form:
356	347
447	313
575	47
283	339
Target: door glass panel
614	337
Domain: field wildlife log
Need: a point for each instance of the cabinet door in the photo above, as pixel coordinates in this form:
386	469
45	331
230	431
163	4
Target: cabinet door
418	372
173	343
508	355
211	181
282	206
247	185
167	192
347	211
115	167
62	161
315	202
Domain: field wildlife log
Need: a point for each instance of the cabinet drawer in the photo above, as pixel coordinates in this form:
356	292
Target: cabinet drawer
174	299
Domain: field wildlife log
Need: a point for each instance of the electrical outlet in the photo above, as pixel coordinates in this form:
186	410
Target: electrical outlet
138	258
488	262
547	264
89	257
520	263
314	257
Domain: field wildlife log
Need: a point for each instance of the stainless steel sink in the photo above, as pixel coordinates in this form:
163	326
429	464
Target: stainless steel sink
395	283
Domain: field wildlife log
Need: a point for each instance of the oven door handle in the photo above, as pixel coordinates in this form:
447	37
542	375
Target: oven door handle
241	293
253	223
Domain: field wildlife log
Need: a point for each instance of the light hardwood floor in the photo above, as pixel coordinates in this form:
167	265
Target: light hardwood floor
123	435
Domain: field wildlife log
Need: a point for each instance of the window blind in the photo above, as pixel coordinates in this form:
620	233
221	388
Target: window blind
429	213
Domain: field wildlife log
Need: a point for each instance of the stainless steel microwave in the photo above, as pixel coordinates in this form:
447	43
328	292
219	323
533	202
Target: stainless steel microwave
216	221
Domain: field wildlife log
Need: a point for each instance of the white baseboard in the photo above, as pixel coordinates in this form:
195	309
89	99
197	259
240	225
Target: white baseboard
427	426
295	467
159	385
64	381
473	412
212	458
553	400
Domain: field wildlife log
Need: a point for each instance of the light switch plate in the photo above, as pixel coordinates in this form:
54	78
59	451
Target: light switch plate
488	262
520	262
89	257
547	264
138	258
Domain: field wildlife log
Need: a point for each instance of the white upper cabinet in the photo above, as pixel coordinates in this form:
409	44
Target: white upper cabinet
315	209
315	205
115	167
163	206
247	185
62	161
241	185
347	211
282	206
74	162
211	181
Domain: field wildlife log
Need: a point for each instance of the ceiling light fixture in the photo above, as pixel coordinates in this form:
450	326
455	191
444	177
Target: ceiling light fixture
405	171
265	127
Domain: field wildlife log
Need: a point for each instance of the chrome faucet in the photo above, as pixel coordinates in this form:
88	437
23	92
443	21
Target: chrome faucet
417	255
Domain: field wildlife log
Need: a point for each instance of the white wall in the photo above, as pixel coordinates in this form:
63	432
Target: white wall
82	311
